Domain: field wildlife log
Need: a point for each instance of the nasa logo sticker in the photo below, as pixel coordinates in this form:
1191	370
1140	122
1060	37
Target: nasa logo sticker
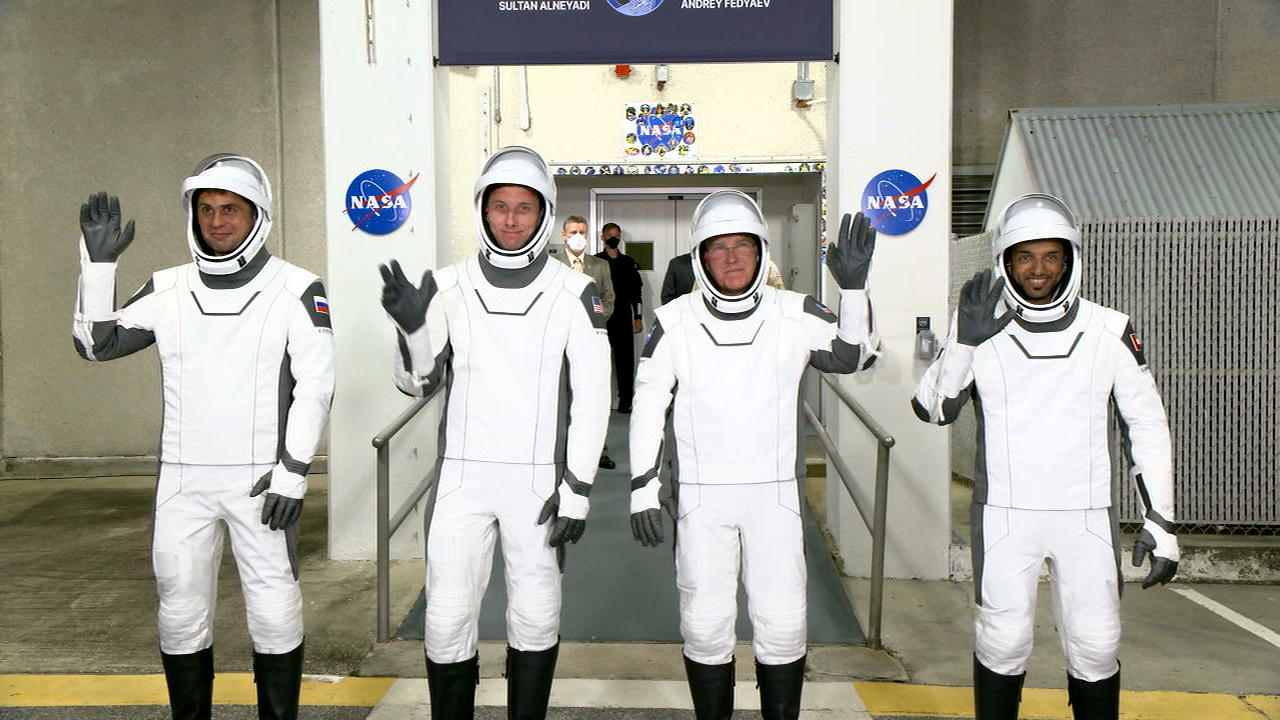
378	202
895	201
635	8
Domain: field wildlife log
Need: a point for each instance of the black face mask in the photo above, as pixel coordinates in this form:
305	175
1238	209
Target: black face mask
612	242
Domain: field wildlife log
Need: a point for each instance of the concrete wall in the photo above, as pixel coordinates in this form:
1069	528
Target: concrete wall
1012	54
127	97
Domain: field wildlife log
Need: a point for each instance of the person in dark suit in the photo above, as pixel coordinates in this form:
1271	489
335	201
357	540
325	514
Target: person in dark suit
625	322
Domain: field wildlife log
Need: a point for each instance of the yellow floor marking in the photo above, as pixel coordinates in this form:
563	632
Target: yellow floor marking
1045	704
228	689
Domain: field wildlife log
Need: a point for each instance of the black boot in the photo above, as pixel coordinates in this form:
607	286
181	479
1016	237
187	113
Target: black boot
1098	700
712	689
190	681
452	687
529	676
279	680
780	687
995	696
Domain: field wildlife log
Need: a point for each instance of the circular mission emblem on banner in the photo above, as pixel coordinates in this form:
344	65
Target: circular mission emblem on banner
635	8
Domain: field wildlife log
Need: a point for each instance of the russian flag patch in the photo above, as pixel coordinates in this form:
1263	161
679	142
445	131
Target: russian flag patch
322	304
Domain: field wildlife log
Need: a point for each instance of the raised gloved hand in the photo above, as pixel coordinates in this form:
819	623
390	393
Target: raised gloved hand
850	259
647	502
1162	546
569	509
283	505
976	322
100	225
405	303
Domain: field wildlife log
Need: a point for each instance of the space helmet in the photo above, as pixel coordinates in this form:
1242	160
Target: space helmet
721	213
244	177
1038	216
516	165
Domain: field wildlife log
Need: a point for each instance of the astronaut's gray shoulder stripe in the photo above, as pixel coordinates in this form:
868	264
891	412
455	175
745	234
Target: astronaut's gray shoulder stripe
818	310
317	304
651	342
593	304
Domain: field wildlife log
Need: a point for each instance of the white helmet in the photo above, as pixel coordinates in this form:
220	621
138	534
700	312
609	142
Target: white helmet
1038	216
727	212
244	177
516	165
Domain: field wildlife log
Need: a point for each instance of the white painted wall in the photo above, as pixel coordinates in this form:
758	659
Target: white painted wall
376	115
892	97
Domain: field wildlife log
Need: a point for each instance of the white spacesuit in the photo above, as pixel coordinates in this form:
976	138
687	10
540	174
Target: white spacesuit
1042	386
729	365
519	343
246	356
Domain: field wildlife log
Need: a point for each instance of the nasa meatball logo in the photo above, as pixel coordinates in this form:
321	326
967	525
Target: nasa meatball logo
378	202
895	201
635	8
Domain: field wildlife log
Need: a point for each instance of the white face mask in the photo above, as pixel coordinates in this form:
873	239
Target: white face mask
577	242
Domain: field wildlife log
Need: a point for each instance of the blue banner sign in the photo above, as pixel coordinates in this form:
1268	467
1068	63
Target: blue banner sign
609	32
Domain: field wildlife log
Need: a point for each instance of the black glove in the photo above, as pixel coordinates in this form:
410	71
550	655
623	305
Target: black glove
278	511
646	525
976	322
406	304
566	528
850	260
100	225
1162	568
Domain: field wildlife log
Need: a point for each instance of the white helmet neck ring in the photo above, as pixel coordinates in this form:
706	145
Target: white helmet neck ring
729	212
236	174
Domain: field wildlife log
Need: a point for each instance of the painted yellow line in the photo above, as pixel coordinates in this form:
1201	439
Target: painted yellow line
228	689
1044	704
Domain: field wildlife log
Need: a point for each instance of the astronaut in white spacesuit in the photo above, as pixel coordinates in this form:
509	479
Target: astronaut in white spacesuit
519	345
1042	375
246	357
729	361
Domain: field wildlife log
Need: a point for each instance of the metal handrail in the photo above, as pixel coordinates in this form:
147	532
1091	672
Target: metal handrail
874	518
387	525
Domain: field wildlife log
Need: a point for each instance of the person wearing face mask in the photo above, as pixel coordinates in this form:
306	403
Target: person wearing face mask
1044	367
625	323
726	364
518	345
246	357
574	234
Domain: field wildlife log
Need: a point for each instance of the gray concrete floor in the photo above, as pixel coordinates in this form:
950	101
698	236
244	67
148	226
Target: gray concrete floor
78	597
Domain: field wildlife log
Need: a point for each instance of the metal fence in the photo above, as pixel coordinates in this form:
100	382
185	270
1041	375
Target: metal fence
1204	297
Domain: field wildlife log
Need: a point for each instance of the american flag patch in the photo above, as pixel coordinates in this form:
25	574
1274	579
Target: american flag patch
825	309
596	305
322	305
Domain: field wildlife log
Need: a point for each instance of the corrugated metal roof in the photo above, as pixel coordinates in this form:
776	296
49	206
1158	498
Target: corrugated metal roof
1160	161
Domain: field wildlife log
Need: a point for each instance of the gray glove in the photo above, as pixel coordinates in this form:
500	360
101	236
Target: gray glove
405	303
1162	546
850	260
278	511
569	510
646	525
976	322
100	225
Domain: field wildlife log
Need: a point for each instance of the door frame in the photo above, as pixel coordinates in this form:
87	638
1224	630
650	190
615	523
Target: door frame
597	195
